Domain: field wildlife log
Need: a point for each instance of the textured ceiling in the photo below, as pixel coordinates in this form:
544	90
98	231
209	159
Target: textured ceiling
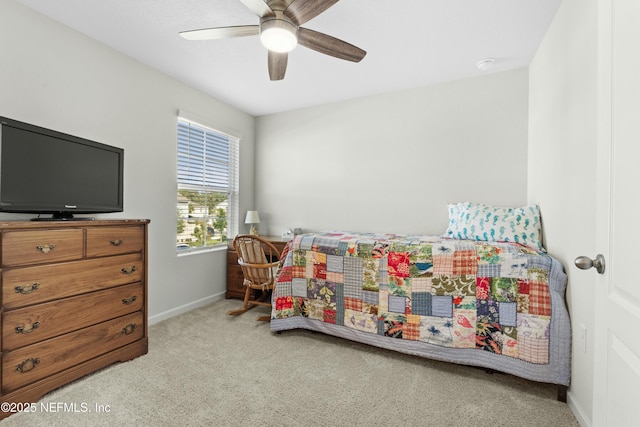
409	43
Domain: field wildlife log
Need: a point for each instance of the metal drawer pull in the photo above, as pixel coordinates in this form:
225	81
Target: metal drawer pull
127	330
128	270
22	330
27	290
45	249
28	365
117	242
130	300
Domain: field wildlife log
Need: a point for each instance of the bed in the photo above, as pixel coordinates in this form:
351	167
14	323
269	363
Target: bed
495	305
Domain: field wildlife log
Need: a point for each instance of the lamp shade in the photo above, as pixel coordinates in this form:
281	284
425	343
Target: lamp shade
252	218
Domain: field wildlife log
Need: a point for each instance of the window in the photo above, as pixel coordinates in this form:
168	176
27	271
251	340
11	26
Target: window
207	200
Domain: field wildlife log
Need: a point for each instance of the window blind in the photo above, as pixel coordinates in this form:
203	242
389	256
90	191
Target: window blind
207	160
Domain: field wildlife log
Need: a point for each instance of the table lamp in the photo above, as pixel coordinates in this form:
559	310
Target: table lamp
252	218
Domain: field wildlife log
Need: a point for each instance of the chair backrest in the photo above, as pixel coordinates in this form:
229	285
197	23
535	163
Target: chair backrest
258	259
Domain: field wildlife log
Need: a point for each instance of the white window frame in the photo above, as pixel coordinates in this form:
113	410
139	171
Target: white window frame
207	162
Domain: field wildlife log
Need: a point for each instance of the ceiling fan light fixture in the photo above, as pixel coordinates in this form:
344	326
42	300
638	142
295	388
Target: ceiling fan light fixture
278	35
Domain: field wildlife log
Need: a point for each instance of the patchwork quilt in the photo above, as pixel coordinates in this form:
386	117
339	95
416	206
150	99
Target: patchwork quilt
462	294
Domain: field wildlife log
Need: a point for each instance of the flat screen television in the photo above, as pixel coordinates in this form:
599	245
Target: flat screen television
47	172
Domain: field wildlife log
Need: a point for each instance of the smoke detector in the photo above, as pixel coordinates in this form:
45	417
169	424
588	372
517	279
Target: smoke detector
485	64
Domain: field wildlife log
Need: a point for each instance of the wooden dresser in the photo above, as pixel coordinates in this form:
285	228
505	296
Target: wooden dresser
234	272
74	300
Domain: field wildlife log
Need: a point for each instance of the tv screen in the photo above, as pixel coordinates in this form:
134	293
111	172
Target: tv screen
47	172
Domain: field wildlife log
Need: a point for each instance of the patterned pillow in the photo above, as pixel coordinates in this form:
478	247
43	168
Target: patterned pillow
471	221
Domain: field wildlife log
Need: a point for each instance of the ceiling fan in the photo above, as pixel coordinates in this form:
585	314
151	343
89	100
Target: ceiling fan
280	32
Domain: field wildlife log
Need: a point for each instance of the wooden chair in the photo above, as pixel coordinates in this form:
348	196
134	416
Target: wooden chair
259	260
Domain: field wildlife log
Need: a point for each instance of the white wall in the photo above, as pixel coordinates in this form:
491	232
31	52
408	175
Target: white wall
562	167
57	78
391	163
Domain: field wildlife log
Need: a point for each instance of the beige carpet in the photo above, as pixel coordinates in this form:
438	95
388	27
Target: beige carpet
205	368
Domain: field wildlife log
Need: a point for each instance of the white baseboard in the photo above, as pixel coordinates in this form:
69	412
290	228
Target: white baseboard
578	412
185	308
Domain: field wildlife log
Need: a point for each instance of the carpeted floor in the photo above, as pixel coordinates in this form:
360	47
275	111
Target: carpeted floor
205	368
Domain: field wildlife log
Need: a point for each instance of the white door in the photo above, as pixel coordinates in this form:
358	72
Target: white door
617	321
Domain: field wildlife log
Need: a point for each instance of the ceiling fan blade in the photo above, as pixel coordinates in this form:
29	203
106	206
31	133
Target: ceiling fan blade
328	45
301	11
259	7
221	32
277	65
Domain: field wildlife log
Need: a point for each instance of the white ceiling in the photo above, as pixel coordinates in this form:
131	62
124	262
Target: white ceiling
409	43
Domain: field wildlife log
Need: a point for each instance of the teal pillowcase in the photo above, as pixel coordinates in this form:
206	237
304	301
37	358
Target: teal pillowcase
472	221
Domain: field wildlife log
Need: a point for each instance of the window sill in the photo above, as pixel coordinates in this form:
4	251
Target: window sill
197	251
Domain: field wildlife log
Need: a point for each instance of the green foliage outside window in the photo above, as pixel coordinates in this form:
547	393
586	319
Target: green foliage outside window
205	221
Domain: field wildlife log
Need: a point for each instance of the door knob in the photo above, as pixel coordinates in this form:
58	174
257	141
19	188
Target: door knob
585	263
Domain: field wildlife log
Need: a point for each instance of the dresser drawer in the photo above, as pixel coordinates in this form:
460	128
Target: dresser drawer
235	277
232	257
32	285
39	247
35	323
32	363
114	240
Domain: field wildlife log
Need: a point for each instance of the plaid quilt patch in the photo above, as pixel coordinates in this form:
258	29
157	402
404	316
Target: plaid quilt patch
462	294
